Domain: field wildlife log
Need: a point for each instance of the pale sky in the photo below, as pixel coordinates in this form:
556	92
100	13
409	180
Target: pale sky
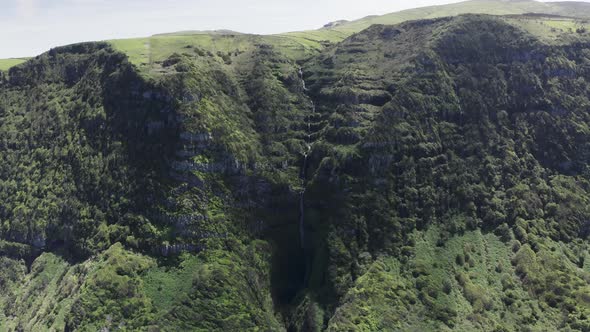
30	27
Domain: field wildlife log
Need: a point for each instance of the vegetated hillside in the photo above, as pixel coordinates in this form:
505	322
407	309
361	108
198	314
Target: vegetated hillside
113	177
431	175
454	158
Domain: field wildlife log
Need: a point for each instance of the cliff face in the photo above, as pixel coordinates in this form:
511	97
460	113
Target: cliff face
426	176
74	136
202	159
449	139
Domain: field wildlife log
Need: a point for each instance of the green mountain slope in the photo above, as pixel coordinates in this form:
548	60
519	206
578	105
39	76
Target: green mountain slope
95	155
425	176
447	183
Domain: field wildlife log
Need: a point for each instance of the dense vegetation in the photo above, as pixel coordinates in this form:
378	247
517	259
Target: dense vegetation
431	175
462	183
99	161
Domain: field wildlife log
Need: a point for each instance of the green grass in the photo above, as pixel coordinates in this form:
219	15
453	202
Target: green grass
148	52
137	49
471	7
554	30
6	64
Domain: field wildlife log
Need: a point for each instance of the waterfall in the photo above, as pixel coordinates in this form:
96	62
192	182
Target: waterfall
302	80
303	174
302	219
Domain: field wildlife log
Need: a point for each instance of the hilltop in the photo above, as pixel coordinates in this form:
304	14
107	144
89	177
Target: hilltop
573	9
562	16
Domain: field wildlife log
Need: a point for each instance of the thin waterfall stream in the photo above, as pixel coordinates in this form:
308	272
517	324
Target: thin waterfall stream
303	178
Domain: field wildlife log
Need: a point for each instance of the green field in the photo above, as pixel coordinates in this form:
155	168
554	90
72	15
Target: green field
472	7
153	50
6	64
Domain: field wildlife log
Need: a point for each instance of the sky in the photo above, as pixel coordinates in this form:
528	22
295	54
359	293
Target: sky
31	27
